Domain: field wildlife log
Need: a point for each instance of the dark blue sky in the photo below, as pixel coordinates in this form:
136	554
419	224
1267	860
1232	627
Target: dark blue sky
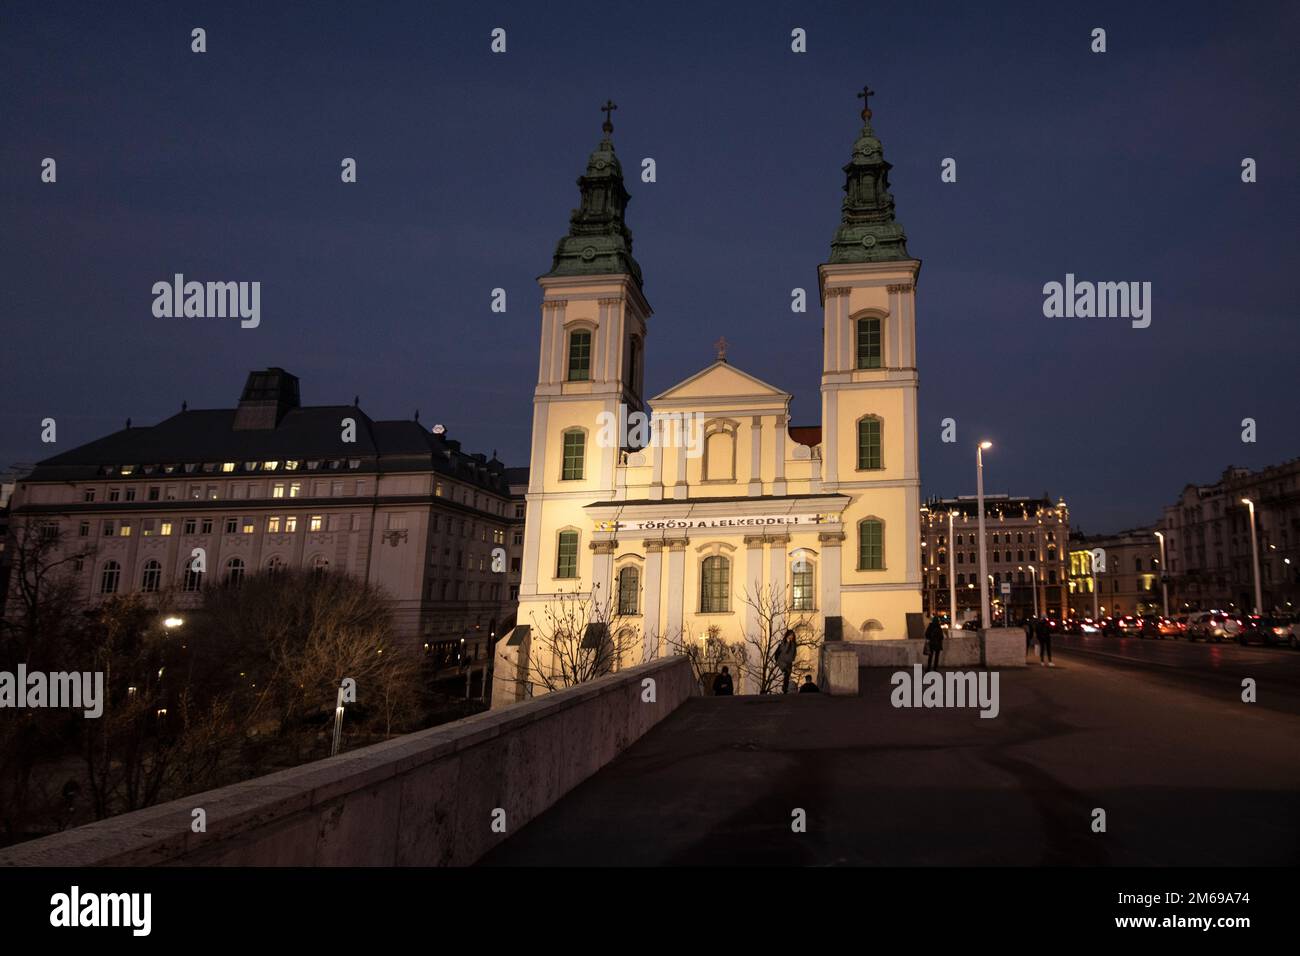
225	166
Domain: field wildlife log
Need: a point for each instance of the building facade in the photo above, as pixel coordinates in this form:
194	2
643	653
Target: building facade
1208	544
1130	582
1025	545
273	484
720	501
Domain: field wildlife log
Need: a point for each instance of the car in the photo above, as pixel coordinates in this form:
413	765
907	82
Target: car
971	626
1072	625
1213	626
1267	630
1158	626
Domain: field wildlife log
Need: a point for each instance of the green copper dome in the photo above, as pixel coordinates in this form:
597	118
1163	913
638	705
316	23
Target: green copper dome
868	231
599	241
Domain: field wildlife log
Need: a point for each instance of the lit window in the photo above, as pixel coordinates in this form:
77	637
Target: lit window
277	490
291	524
249	526
802	587
295	489
228	466
314	523
273	524
270	465
125	529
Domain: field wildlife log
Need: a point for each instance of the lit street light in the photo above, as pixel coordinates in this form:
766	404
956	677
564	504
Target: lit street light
979	495
1164	585
952	578
1254	554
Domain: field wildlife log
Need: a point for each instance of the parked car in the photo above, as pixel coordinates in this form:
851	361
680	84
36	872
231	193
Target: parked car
1267	630
1158	626
1213	626
1128	625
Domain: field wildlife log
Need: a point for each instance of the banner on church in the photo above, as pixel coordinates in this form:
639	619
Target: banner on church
739	522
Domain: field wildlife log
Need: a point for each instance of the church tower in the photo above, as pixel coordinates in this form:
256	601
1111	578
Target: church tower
869	398
593	331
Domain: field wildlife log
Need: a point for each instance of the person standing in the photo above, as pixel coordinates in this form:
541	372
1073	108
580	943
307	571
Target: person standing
934	643
1044	634
784	657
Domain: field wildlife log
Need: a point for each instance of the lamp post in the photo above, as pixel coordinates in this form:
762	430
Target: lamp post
1254	554
979	495
1033	578
1164	585
952	579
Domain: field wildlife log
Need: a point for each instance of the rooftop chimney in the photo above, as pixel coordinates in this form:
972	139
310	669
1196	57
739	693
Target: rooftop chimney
267	396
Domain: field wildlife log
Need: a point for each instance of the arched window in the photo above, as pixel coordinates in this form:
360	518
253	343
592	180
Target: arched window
633	361
629	590
715	585
870	456
580	355
719	452
575	455
274	565
151	580
320	565
235	571
566	556
193	579
110	577
871	545
868	343
802	594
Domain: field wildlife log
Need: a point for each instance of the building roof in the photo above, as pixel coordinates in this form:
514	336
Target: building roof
270	426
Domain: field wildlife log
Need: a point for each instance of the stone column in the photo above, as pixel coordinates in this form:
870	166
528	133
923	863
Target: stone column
756	456
674	628
752	582
778	585
782	433
831	557
602	588
654	562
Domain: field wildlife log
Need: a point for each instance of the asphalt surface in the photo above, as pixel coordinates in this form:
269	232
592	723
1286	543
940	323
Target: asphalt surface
1153	733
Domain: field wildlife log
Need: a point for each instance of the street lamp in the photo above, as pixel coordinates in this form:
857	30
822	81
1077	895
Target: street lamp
952	578
1033	578
1254	554
979	494
1164	585
171	623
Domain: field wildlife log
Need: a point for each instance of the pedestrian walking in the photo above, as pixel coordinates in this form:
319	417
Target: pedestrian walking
784	657
1044	634
933	643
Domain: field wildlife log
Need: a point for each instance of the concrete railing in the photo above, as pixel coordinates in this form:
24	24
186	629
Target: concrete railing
443	796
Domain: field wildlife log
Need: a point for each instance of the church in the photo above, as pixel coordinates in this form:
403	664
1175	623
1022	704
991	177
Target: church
733	520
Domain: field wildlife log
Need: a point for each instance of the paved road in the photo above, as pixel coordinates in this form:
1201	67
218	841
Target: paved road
1208	669
1187	774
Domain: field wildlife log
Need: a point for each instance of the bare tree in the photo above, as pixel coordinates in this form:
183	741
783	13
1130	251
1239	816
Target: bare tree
772	614
580	637
707	654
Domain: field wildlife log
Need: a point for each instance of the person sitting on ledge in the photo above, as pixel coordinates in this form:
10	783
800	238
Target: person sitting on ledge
808	687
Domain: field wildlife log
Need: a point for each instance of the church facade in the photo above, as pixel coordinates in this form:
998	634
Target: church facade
721	515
